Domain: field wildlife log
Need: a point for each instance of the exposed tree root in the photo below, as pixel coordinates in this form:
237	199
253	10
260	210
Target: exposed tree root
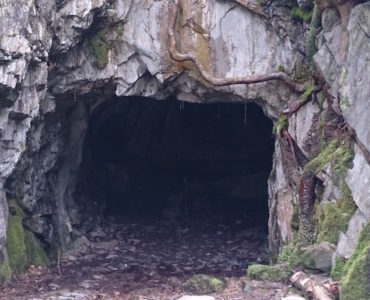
306	211
311	287
180	57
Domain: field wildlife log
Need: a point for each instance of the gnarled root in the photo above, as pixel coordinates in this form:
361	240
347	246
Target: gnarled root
180	57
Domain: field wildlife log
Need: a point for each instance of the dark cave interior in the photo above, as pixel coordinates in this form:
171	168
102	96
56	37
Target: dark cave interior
172	160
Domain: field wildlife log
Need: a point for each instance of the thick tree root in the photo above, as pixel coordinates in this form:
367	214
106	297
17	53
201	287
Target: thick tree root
180	57
306	211
311	287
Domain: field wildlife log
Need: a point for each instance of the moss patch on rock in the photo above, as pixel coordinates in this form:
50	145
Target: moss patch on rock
204	284
355	283
22	246
337	270
301	13
99	49
5	271
35	253
335	217
15	246
334	222
268	273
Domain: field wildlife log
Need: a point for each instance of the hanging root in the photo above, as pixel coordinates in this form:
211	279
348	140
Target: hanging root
306	211
180	57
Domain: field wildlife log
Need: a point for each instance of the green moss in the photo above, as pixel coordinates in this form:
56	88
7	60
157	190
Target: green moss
363	242
204	284
269	273
308	91
339	155
337	269
35	253
356	284
281	125
15	245
5	271
288	255
281	69
100	48
22	246
346	204
334	222
310	44
300	13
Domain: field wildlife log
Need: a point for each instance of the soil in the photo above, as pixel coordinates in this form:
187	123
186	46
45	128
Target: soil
143	259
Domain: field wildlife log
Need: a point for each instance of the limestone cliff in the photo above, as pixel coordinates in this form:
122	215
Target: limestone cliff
59	60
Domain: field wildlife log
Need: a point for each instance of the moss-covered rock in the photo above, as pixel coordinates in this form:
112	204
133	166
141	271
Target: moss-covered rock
269	273
337	269
316	257
35	253
334	222
22	246
99	49
15	246
355	283
5	271
204	284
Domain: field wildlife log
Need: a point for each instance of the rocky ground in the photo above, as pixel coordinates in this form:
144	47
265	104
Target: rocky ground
151	260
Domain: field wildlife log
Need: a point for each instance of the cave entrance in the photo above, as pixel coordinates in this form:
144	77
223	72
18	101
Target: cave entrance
200	171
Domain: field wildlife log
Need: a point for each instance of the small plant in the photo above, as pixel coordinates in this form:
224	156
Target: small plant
301	13
281	125
100	49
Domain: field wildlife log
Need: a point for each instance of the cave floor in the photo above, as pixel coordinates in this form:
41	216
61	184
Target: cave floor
151	260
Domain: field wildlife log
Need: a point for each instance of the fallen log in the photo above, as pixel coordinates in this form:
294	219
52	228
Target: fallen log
311	287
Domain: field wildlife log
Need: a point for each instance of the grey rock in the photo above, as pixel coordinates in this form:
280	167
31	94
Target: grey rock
355	77
329	18
319	256
348	241
358	179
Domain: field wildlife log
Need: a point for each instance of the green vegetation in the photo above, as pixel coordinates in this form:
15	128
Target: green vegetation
288	255
310	44
307	92
339	155
334	218
5	271
337	269
355	283
100	48
22	246
334	222
15	244
35	253
300	13
269	273
281	125
204	284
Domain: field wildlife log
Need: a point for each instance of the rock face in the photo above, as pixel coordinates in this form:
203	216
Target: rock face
60	60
